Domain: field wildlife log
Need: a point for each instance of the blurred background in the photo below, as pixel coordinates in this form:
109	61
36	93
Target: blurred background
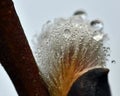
34	13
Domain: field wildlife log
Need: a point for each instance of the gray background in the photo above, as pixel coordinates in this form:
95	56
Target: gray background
34	13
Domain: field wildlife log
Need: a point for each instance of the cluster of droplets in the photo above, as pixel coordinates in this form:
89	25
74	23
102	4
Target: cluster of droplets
67	47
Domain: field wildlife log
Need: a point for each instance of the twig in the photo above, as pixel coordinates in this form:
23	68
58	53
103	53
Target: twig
15	54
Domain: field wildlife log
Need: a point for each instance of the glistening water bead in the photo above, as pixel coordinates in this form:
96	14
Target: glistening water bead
81	13
97	25
113	61
67	33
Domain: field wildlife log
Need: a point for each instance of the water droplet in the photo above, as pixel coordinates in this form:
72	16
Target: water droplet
67	33
98	37
97	25
81	13
113	61
108	48
104	47
46	25
108	55
107	59
59	21
48	22
105	50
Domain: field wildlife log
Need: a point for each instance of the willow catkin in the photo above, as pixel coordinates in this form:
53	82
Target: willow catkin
66	48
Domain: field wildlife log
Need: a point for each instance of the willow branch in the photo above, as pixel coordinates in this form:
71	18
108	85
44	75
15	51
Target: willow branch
15	54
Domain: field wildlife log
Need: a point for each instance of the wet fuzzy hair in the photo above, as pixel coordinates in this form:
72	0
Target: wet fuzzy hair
67	48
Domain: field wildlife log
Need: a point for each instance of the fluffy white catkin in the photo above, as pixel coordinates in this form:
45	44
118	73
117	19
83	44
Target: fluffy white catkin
66	48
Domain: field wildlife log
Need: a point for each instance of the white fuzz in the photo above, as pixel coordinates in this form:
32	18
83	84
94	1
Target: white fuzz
66	49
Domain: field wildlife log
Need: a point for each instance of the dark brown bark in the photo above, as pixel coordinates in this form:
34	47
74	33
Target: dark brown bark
92	83
15	54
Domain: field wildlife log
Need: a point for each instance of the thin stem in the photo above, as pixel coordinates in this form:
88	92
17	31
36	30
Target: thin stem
15	54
